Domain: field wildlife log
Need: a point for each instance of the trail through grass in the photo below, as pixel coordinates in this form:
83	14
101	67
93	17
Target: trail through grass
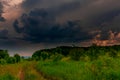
20	71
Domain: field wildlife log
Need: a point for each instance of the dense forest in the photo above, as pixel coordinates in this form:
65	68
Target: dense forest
77	53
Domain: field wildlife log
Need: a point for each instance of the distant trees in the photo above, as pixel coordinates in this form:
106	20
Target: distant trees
77	53
17	58
4	54
60	53
40	55
5	58
11	60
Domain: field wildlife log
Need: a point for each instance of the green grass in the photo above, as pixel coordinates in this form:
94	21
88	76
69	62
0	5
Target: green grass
8	77
20	71
104	68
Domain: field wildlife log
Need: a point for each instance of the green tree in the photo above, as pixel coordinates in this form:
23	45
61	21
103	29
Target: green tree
11	60
4	54
3	61
44	55
17	57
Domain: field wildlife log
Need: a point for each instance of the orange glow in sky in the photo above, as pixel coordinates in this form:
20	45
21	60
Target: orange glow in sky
12	2
11	8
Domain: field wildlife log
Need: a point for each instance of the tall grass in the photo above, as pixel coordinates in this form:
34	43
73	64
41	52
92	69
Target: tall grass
103	68
30	73
20	71
8	77
9	71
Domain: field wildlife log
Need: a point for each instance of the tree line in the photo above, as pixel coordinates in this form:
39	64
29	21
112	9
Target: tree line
74	53
77	53
6	58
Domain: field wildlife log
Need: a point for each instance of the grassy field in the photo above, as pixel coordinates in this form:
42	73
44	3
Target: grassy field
20	71
9	71
66	63
104	68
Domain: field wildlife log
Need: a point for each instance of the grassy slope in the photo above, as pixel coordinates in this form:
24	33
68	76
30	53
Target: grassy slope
104	68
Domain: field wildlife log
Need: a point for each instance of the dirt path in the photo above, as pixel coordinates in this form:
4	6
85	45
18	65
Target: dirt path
29	72
21	73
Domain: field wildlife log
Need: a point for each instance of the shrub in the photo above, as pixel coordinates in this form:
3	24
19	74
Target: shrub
3	61
57	57
11	60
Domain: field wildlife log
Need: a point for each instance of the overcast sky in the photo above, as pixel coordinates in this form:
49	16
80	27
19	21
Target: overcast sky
30	25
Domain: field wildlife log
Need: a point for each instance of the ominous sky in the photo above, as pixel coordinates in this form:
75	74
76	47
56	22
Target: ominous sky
29	25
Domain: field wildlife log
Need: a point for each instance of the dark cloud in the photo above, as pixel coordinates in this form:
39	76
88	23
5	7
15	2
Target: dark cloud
54	7
40	26
58	22
105	17
43	23
4	34
1	12
44	3
15	24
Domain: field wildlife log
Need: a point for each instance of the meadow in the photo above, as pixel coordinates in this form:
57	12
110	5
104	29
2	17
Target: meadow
105	68
65	63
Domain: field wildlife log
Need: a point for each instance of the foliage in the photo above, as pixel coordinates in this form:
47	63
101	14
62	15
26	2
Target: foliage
11	60
57	57
3	61
7	77
17	58
104	68
76	54
64	63
4	54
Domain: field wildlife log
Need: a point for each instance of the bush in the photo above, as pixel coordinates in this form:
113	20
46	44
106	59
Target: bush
11	60
3	61
57	57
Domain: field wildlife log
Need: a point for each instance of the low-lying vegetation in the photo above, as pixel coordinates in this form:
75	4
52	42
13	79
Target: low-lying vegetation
63	63
104	68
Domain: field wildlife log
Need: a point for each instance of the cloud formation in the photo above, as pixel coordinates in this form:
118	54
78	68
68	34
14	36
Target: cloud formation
57	22
4	34
1	12
40	26
43	21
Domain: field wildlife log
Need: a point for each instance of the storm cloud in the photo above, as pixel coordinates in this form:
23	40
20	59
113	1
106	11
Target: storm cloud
42	21
40	26
4	34
57	22
91	13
